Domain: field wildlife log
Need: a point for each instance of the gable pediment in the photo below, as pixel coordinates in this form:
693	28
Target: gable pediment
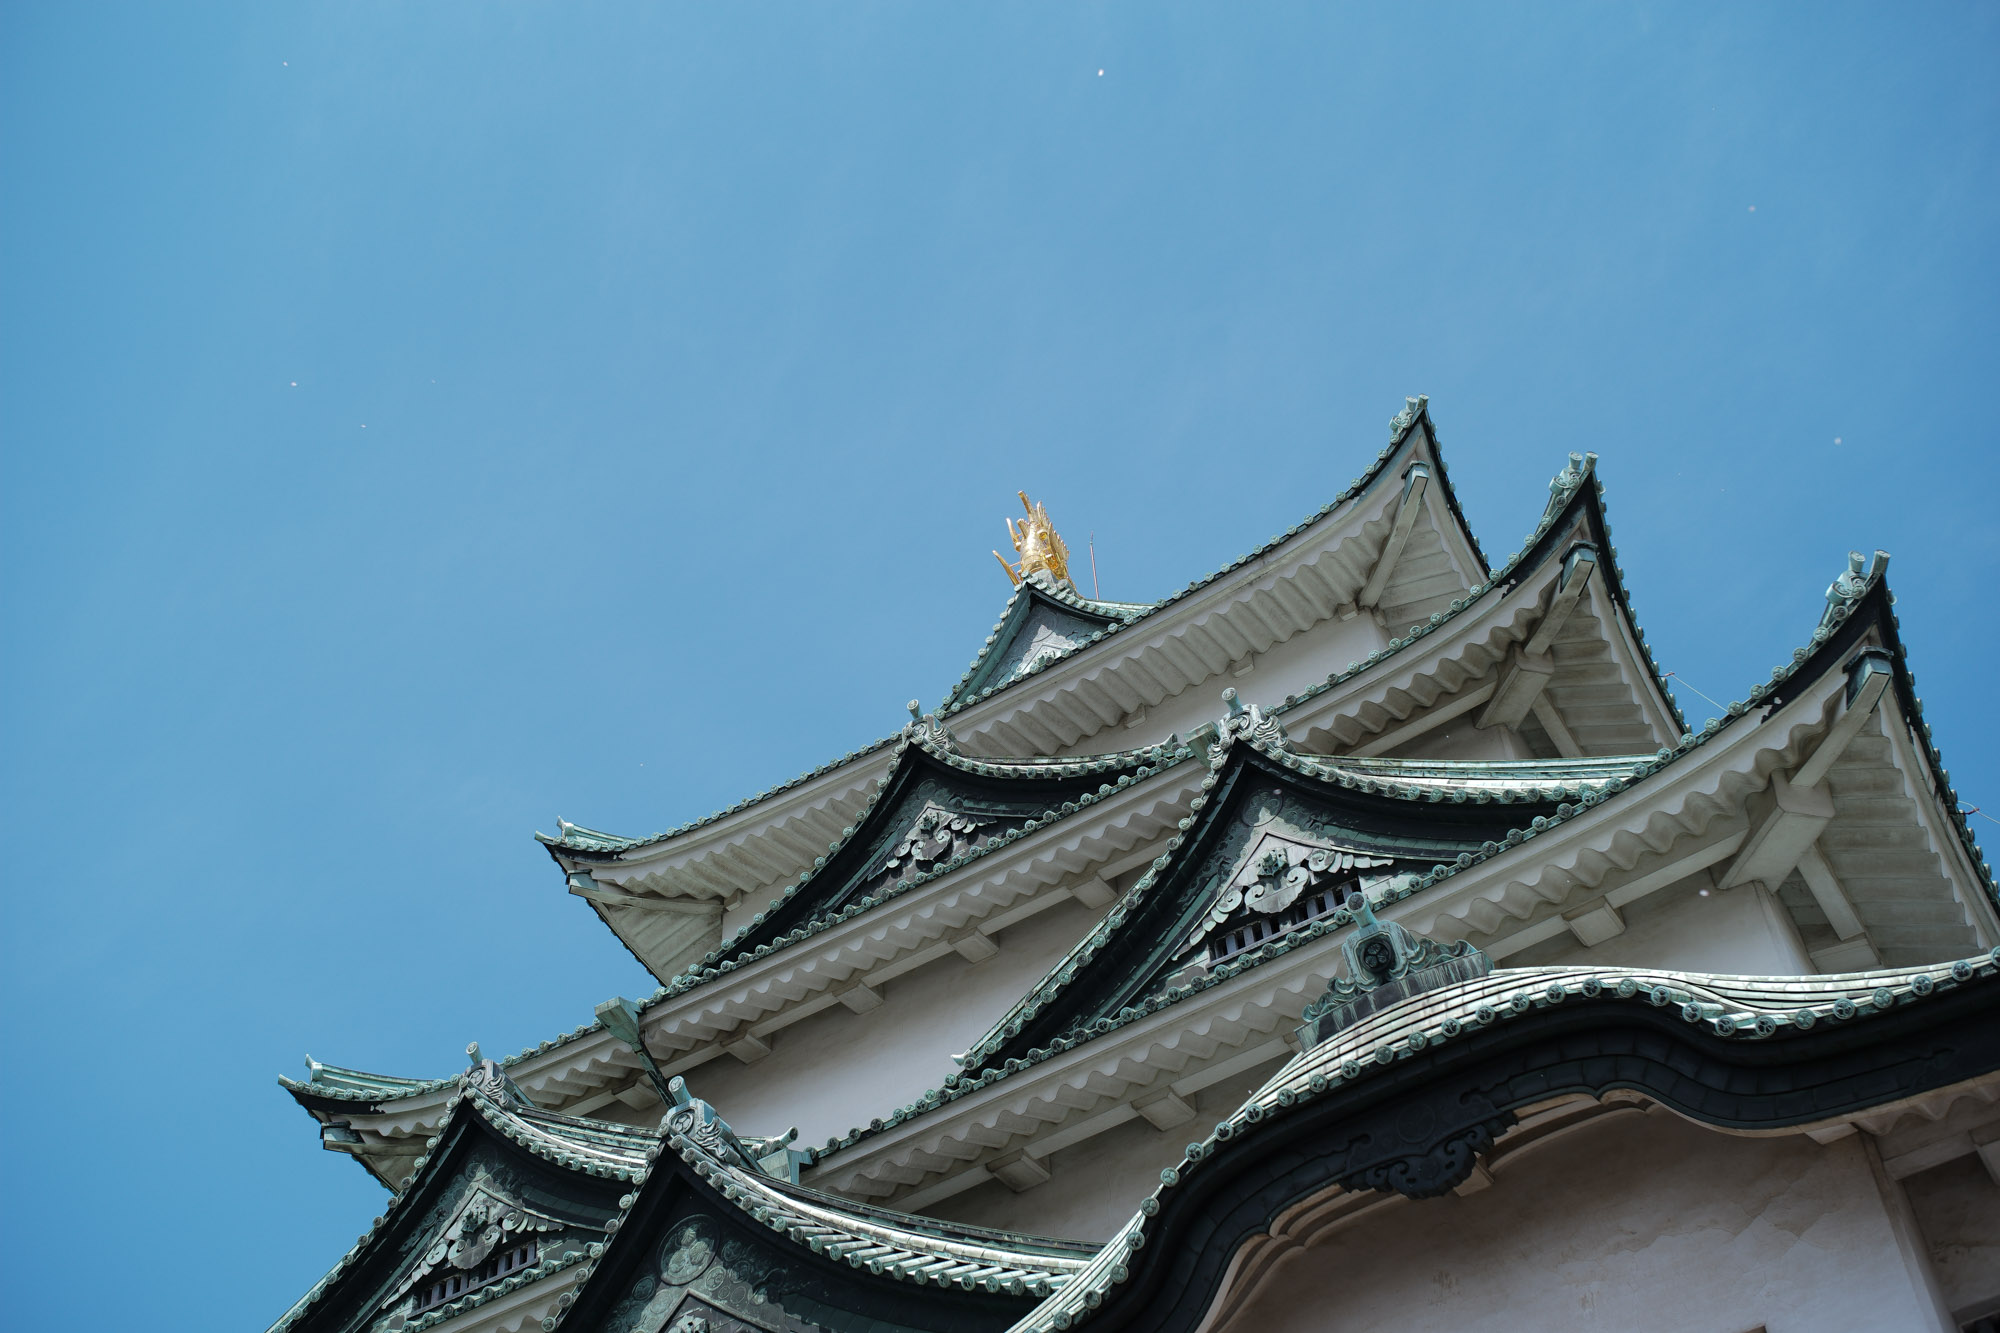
1042	624
489	1233
1279	847
935	810
505	1198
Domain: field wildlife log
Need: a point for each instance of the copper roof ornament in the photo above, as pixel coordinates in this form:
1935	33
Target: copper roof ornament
1036	543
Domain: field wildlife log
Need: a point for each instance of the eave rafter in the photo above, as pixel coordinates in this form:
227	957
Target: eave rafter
1549	632
1323	569
737	1011
1677	814
1153	653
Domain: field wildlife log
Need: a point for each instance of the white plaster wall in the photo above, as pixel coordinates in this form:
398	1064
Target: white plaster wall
1741	931
1096	1186
1302	661
836	1070
1958	1210
1640	1221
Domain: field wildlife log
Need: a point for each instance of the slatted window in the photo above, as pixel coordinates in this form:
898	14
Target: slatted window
450	1288
1259	929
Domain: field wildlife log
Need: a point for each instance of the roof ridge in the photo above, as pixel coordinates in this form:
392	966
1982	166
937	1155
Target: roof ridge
1565	488
1156	759
899	1246
1452	1013
1841	608
625	844
1415	411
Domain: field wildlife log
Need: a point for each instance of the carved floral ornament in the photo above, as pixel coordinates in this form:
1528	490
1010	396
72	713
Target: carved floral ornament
1277	871
937	834
485	1222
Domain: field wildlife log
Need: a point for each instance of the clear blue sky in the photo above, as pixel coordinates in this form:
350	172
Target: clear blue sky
421	421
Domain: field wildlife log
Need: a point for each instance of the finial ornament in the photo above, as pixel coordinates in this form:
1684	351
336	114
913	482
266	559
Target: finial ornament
1036	543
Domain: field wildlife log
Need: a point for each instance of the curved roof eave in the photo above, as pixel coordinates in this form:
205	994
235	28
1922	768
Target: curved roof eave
1864	604
1144	763
1443	1023
1570	500
1404	428
468	1111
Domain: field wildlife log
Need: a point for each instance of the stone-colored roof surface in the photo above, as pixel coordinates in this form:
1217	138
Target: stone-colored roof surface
1737	1008
575	837
1567	489
1265	734
1131	766
914	1249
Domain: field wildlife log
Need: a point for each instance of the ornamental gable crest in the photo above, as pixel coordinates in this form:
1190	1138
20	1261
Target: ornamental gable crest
704	1281
934	826
1039	631
1276	877
1045	635
486	1236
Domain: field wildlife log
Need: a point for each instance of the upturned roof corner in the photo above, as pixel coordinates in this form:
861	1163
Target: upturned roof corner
1859	611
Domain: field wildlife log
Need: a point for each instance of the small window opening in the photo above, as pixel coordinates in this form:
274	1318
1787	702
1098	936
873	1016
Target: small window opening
1259	929
450	1288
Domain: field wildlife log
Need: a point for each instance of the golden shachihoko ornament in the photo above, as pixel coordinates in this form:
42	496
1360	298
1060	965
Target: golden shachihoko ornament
1037	545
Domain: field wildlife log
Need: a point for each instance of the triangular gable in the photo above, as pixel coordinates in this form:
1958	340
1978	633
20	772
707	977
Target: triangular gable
707	1242
935	810
502	1199
1412	440
1043	622
1599	632
1279	842
1358	1114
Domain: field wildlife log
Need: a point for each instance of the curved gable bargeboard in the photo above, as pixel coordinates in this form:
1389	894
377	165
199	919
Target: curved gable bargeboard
1450	1087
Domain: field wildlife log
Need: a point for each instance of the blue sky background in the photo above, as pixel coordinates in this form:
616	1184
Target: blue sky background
421	421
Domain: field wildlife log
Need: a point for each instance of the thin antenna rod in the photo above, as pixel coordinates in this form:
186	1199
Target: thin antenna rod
1093	569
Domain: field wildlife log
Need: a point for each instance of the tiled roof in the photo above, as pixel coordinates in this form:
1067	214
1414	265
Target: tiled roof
1845	597
1415	410
1565	490
575	837
1736	1008
1131	766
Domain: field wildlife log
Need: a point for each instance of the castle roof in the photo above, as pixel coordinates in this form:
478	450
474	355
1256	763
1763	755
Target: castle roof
1288	584
1408	1099
1090	998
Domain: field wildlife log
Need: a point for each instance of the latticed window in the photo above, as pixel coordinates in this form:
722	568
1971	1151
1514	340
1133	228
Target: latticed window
454	1285
1260	928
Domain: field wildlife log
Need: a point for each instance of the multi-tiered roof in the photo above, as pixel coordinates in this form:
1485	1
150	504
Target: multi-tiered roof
1360	707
